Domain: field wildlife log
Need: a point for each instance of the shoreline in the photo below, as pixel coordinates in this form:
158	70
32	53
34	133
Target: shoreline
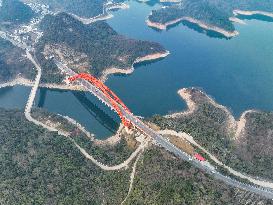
104	16
201	24
237	20
241	124
29	83
228	34
236	126
191	105
109	71
170	1
112	140
162	1
149	57
238	130
237	12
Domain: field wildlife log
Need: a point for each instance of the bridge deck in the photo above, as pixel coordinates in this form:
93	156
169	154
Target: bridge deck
163	142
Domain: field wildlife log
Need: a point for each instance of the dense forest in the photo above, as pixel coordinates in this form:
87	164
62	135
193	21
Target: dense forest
102	45
41	167
38	167
163	179
197	9
14	12
13	63
251	154
81	8
106	154
211	12
255	146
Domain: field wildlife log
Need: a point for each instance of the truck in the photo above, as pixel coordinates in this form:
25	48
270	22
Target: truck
199	157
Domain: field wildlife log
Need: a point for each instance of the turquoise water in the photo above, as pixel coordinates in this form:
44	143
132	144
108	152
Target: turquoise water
14	97
81	106
238	73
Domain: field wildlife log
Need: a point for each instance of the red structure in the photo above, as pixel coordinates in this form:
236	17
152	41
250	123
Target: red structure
199	157
111	96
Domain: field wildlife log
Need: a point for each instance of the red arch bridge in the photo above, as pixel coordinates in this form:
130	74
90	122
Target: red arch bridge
107	97
111	97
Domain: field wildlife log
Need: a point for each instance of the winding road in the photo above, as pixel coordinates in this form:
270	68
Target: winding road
32	95
158	139
232	171
28	109
163	142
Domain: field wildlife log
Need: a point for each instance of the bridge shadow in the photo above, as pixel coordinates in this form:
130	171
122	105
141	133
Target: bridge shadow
104	119
41	102
95	111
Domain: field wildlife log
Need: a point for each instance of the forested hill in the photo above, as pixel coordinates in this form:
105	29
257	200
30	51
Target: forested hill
82	8
41	167
13	63
64	27
212	12
95	47
13	12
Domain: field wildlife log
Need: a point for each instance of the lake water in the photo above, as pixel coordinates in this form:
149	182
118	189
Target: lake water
237	73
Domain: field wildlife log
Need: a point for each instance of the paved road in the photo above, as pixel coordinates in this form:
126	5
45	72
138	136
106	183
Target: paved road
163	142
32	95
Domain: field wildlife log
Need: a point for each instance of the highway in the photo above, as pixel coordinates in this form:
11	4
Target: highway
163	142
158	139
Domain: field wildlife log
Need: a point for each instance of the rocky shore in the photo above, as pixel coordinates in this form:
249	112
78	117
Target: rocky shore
104	16
164	26
251	13
29	83
127	71
235	126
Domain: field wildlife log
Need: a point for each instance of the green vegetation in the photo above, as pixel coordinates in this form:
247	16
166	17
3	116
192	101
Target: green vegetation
211	12
107	154
38	167
51	73
196	9
102	45
13	63
255	146
82	8
41	167
208	125
162	179
13	12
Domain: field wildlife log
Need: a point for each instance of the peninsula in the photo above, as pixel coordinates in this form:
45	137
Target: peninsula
233	142
94	48
208	15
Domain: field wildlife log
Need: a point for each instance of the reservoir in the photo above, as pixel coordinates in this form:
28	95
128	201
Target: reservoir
237	73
